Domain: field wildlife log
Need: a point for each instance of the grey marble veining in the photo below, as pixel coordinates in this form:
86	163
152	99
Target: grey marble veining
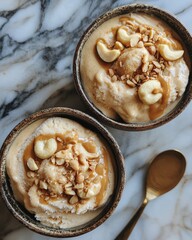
37	43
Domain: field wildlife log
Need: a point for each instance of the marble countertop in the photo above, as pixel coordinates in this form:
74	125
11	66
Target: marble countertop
37	43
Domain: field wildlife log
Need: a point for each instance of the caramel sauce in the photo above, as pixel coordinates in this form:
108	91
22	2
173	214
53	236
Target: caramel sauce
109	44
157	109
29	152
104	173
42	200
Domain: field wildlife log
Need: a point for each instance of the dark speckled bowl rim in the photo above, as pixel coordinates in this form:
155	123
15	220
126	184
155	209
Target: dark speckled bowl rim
136	8
25	217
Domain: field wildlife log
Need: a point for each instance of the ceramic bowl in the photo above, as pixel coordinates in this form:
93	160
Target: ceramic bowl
172	22
27	218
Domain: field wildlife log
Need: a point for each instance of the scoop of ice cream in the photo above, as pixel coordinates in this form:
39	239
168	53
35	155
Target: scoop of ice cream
177	76
120	98
129	61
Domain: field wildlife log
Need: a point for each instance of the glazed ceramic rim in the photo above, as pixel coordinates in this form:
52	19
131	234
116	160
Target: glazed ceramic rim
16	208
134	8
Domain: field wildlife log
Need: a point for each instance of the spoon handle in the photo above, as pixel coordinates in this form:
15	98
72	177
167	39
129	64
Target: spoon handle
126	232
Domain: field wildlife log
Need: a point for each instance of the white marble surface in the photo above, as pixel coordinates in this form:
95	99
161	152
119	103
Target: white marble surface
37	42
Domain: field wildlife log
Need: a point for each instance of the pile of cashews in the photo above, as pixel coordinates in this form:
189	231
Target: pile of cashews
125	39
74	158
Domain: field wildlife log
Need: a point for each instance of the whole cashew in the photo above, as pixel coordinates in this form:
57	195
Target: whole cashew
125	38
106	54
168	54
150	92
45	148
93	190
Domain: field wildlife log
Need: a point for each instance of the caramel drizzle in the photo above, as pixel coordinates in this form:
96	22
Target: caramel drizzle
157	109
104	173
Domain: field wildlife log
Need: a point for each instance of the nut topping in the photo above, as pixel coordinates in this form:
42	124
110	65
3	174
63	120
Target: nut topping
30	174
168	54
152	50
106	54
118	45
73	199
125	38
79	186
80	178
31	164
114	78
158	65
134	39
140	44
145	67
93	190
70	192
43	185
60	161
148	92
74	164
77	160
111	72
45	148
60	154
130	84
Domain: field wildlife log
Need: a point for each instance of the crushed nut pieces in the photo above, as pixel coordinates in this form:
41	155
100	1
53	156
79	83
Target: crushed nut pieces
133	35
77	160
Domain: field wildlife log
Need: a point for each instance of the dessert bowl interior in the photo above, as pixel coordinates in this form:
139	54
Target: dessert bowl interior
26	217
175	25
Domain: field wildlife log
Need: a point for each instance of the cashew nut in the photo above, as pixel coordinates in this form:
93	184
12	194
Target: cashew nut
80	178
106	54
43	185
148	93
168	54
45	148
65	154
70	191
74	164
118	45
60	161
31	164
93	190
125	38
73	199
84	164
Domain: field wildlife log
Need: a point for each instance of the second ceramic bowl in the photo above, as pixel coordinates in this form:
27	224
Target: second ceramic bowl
27	218
175	25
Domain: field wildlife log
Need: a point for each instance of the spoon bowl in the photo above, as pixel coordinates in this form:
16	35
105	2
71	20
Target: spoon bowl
164	173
